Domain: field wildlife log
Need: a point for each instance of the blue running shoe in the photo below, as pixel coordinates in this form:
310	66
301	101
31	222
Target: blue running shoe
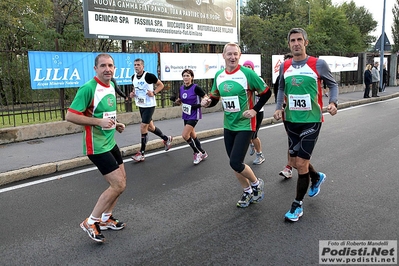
315	188
295	212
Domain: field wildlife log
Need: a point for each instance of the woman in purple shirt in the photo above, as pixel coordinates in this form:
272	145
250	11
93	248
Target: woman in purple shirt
190	96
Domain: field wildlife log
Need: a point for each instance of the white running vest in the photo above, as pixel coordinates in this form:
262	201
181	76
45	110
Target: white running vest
140	88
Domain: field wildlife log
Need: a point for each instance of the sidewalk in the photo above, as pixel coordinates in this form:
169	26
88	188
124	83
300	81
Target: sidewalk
33	158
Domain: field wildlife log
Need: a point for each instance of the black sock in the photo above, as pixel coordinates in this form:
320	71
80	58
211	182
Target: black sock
144	139
198	144
302	186
159	133
192	145
314	176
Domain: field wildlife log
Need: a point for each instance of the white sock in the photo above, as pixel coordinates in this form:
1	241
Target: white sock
248	190
300	202
92	220
105	216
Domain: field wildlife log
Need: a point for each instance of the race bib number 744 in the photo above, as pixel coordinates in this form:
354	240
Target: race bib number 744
231	104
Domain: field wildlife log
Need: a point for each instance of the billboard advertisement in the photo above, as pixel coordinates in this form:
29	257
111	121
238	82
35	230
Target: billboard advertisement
186	21
203	65
54	70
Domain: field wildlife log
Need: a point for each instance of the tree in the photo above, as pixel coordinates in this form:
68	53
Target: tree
363	20
266	37
267	8
331	33
24	25
395	27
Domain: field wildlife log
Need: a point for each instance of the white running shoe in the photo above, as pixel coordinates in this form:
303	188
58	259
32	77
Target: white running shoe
251	149
286	173
204	155
197	158
168	143
138	157
260	158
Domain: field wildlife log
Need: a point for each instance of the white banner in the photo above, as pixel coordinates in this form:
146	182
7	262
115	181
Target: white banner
341	64
336	64
377	59
276	62
203	65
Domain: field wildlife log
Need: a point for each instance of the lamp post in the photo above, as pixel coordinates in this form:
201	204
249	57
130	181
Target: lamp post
308	11
382	52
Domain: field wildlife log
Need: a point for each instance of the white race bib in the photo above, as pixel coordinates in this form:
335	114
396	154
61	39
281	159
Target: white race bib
231	104
186	108
141	96
112	116
299	102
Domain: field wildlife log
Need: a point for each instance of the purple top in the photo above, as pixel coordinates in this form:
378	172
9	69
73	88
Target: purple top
189	97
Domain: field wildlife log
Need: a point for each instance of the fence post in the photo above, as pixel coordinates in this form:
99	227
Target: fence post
62	92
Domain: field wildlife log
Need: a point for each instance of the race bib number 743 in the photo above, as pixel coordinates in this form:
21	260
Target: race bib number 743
299	102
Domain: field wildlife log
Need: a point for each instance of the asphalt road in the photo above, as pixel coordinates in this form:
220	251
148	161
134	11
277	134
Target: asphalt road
181	214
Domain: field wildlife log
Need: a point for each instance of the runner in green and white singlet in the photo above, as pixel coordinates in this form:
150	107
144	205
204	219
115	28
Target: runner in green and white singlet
236	90
303	95
97	100
300	88
94	107
235	86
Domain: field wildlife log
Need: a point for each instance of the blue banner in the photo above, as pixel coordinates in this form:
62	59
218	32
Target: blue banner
53	70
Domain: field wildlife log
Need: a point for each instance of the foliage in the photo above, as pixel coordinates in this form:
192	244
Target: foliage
331	34
363	20
332	30
265	9
24	25
395	27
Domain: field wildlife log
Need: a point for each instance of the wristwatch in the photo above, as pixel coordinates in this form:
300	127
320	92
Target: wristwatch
336	104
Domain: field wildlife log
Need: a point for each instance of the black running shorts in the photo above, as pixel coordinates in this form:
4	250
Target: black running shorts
107	162
302	138
146	114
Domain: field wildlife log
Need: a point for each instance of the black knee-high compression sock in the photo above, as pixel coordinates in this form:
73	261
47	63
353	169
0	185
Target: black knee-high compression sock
192	145
314	176
198	144
159	133
302	186
144	139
